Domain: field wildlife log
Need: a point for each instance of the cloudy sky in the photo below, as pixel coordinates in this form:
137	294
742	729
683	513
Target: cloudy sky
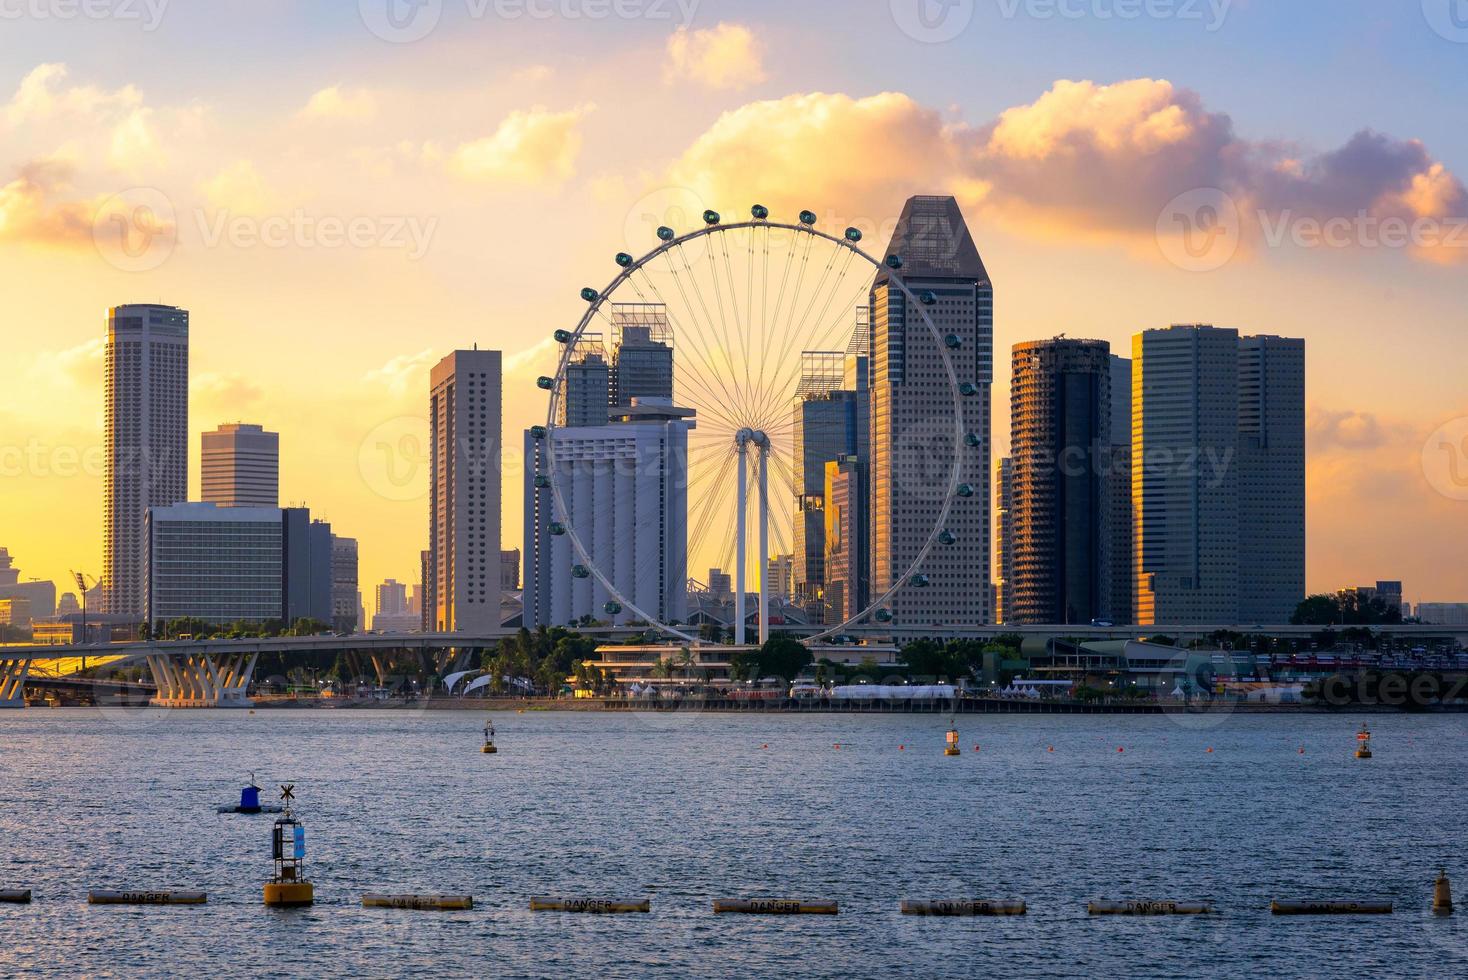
342	192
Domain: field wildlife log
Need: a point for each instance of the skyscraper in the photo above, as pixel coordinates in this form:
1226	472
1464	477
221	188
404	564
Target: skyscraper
586	390
1003	536
642	358
147	439
1185	475
465	412
344	585
847	576
625	489
828	421
912	417
1117	520
1271	478
1060	436
240	466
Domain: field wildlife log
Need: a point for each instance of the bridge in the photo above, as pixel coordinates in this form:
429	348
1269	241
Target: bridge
218	673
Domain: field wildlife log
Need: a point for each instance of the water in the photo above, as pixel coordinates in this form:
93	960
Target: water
689	808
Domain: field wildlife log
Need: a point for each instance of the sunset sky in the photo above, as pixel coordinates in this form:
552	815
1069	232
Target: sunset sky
339	206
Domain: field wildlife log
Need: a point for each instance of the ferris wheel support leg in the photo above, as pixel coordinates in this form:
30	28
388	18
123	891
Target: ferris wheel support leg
742	500
764	541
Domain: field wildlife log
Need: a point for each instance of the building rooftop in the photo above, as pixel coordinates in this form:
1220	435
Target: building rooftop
934	242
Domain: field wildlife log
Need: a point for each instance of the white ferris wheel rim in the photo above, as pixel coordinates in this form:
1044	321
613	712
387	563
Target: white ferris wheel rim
605	295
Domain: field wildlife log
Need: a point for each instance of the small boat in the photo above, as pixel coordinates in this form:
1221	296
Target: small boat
1363	743
250	801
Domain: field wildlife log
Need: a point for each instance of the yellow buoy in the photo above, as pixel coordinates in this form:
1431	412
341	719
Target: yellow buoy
1442	895
952	747
1363	743
289	888
489	748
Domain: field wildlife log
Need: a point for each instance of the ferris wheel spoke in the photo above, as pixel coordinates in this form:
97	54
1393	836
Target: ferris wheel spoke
698	345
726	349
694	344
822	342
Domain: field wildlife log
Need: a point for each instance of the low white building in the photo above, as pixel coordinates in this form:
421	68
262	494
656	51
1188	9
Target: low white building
625	488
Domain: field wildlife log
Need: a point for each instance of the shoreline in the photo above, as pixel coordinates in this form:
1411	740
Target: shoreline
814	706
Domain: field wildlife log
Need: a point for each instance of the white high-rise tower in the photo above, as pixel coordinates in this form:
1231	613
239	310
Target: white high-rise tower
147	438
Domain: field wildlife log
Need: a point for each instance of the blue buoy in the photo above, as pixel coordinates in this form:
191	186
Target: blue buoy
250	799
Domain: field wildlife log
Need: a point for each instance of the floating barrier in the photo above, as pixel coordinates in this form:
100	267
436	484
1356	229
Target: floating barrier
774	906
963	907
15	896
1330	908
430	903
1149	908
593	906
1442	895
146	898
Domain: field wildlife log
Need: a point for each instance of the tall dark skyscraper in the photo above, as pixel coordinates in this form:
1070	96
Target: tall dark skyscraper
146	436
912	406
1271	478
1061	450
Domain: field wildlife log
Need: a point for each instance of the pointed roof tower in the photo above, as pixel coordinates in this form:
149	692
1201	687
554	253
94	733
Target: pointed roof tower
934	242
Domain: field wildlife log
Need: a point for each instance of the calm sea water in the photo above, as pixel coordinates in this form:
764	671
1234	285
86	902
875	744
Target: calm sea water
689	808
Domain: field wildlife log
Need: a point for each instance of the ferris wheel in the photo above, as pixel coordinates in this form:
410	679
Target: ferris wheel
762	317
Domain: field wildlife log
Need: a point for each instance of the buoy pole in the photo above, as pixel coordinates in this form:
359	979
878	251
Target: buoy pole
1442	895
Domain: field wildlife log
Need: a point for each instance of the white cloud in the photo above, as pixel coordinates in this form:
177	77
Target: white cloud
337	103
404	371
726	56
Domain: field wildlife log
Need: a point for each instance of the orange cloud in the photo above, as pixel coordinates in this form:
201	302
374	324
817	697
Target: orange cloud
30	215
1084	161
534	147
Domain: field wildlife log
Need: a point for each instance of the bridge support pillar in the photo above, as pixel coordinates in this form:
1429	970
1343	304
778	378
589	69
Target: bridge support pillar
201	680
13	674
